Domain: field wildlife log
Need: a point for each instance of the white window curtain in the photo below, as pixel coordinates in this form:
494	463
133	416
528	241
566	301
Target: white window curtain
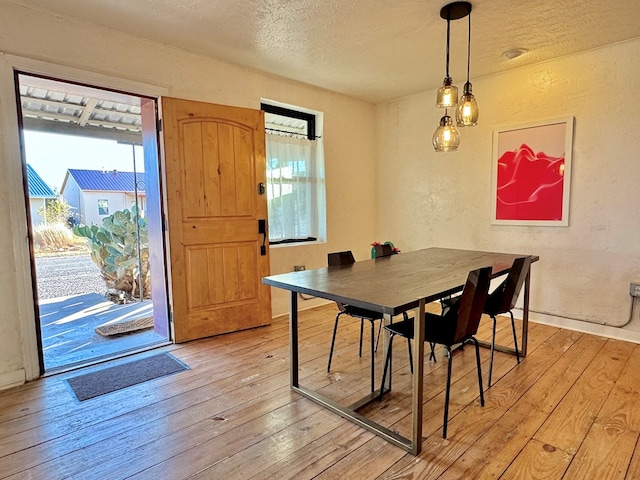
295	189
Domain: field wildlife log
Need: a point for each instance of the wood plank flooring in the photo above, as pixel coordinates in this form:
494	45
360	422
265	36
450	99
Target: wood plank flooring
570	410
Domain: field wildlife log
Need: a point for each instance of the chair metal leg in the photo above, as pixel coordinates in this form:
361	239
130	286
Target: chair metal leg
479	370
361	333
447	394
515	337
432	355
410	355
493	344
333	340
386	366
493	347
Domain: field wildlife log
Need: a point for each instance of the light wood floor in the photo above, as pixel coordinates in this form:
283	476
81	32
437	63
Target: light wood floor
570	410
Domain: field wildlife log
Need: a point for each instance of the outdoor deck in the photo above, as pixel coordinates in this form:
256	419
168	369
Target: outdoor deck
68	330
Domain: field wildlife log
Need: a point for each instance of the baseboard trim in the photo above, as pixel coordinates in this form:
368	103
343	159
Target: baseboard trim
320	302
616	333
12	379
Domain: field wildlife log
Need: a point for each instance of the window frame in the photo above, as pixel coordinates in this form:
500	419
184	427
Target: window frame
101	202
310	119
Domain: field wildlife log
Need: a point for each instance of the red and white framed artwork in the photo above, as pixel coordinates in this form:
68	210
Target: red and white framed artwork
532	173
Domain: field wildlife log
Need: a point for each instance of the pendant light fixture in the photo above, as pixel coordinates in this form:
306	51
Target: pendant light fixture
467	112
447	137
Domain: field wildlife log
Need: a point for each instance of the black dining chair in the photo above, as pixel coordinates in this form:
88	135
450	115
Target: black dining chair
457	324
346	258
503	299
383	250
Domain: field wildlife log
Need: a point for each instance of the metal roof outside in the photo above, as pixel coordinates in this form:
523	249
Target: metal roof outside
38	188
107	180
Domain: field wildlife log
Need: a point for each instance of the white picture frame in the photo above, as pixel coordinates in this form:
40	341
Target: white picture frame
531	173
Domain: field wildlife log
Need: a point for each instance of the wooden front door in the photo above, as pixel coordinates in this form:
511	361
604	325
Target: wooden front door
215	161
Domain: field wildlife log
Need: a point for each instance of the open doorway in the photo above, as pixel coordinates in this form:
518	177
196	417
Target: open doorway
94	214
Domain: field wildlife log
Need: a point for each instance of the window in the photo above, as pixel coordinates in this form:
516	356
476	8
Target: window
103	207
295	175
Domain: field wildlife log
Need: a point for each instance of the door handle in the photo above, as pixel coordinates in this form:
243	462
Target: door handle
262	229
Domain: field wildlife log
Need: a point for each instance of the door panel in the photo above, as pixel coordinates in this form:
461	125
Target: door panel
215	159
232	266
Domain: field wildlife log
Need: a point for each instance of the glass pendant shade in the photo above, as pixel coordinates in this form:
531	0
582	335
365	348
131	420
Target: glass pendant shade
446	137
467	112
447	94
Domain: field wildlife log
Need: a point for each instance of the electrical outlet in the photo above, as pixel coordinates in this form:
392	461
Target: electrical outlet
634	290
299	268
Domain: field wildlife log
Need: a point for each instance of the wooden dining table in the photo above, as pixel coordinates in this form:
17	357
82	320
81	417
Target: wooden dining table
392	285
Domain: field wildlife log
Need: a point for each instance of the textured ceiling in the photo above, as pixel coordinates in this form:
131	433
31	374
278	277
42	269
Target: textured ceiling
374	50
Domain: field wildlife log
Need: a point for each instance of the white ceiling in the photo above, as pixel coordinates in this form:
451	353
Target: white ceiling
374	50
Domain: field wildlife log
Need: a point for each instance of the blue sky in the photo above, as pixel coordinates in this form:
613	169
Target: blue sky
52	154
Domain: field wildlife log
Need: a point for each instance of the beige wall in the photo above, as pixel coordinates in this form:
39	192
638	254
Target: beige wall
348	145
444	199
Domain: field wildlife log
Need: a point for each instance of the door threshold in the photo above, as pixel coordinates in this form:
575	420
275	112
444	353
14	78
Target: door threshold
105	359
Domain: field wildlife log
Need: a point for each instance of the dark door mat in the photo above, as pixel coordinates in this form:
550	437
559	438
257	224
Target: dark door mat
107	380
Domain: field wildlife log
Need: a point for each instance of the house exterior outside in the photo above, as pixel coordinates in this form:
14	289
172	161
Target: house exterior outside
39	193
96	194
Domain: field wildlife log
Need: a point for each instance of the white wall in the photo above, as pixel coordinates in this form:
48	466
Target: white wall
71	194
35	204
348	144
115	200
444	199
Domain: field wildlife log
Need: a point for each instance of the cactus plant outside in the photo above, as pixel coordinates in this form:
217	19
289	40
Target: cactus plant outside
115	250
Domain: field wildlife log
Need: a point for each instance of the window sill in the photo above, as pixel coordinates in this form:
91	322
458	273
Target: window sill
296	244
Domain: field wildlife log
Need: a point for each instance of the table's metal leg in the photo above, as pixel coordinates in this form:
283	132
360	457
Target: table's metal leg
293	339
385	339
418	371
412	445
525	315
373	357
350	414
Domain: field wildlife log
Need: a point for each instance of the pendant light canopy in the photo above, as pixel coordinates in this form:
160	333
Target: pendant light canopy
447	137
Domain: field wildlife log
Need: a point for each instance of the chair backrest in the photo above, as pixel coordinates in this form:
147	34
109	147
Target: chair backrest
513	284
383	250
340	258
471	304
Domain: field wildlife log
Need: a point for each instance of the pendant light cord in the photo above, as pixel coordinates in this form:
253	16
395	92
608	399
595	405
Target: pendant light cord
448	36
469	48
